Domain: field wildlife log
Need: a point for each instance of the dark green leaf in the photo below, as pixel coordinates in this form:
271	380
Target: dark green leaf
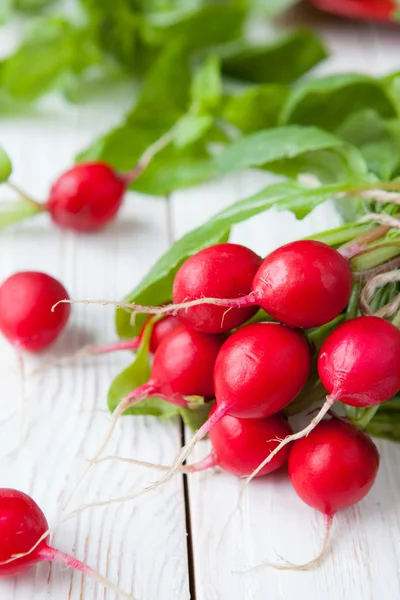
280	61
292	150
5	166
32	5
328	101
255	108
156	287
11	212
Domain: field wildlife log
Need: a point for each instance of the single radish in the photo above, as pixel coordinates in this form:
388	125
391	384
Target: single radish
24	537
183	366
334	467
359	362
359	365
331	469
238	446
259	370
26	318
301	284
86	197
221	271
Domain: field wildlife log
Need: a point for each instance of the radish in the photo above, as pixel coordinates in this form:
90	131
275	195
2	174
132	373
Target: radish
359	365
331	469
183	366
26	318
359	362
259	370
302	284
86	197
238	446
24	535
221	271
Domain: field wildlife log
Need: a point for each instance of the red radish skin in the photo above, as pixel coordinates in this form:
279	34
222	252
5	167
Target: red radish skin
86	197
183	366
302	284
261	368
26	318
359	362
334	467
220	271
239	445
24	531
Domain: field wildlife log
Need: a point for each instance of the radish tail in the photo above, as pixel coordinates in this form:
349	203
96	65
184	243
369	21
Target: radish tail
220	412
144	391
330	400
132	344
206	463
48	553
308	566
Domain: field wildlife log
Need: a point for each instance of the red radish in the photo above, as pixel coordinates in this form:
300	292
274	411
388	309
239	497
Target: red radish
301	284
86	197
183	366
259	370
333	467
359	364
221	271
26	318
24	535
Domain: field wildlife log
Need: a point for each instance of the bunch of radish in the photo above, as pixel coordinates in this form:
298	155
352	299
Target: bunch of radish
203	345
256	370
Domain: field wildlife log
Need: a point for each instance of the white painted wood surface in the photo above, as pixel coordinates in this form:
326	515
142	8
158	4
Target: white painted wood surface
143	545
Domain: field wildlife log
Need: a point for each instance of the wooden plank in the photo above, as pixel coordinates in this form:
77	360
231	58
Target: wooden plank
272	520
140	545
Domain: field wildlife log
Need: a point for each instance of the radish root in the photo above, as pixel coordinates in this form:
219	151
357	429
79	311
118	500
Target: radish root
308	566
206	463
175	467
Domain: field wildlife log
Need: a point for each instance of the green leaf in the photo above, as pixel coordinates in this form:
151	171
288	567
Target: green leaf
292	150
378	141
156	287
31	5
168	82
206	90
195	417
5	10
273	7
328	101
52	51
11	212
190	128
255	108
281	61
206	25
5	166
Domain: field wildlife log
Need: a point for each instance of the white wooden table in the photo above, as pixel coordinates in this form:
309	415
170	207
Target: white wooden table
168	545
